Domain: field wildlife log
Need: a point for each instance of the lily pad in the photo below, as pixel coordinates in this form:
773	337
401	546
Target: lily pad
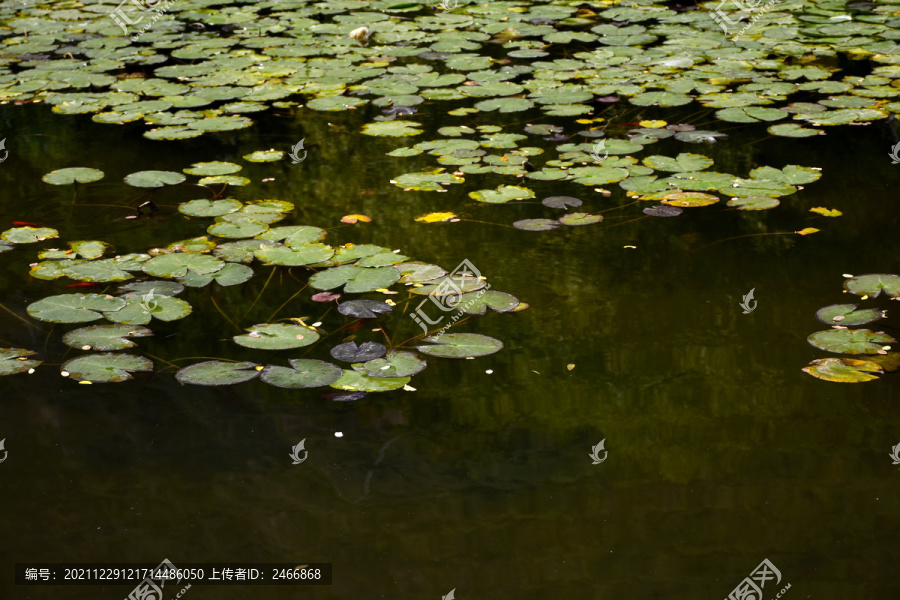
217	372
277	336
580	218
364	309
209	208
304	373
477	303
356	280
689	199
104	337
395	364
74	308
682	162
843	370
353	381
461	345
503	194
392	128
140	309
178	265
350	352
204	169
754	203
106	368
230	274
662	211
562	202
154	179
28	235
299	255
850	341
14	360
873	284
847	315
72	175
536	224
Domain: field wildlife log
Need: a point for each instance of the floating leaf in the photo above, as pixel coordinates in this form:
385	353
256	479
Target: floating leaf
230	274
477	303
140	309
826	212
350	352
461	345
682	162
363	309
305	373
204	169
104	337
351	219
264	156
503	193
28	235
209	208
357	279
850	341
562	202
436	217
662	211
12	360
354	381
305	254
843	370
754	203
154	179
72	175
277	336
808	231
178	265
847	315
536	224
872	285
392	128
106	368
325	297
580	218
689	199
74	308
395	364
217	372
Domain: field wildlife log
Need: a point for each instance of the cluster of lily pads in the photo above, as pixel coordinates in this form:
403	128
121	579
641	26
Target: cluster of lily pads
242	237
676	182
842	339
203	68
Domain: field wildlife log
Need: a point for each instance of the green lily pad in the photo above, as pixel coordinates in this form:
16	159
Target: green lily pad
14	360
392	128
461	345
209	208
178	265
477	303
873	284
74	308
154	179
220	123
850	341
847	315
277	336
225	180
792	130
305	373
218	372
204	169
159	288
536	224
28	235
791	174
335	103
353	381
72	175
97	271
682	162
357	279
395	364
139	309
264	156
244	228
426	182
505	105
843	370
89	249
750	114
754	203
105	368
295	235
104	337
302	254
503	193
580	218
230	274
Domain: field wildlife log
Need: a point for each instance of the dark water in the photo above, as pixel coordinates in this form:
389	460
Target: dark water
722	453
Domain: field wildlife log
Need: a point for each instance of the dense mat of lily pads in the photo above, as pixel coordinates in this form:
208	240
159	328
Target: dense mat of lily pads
842	339
243	240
